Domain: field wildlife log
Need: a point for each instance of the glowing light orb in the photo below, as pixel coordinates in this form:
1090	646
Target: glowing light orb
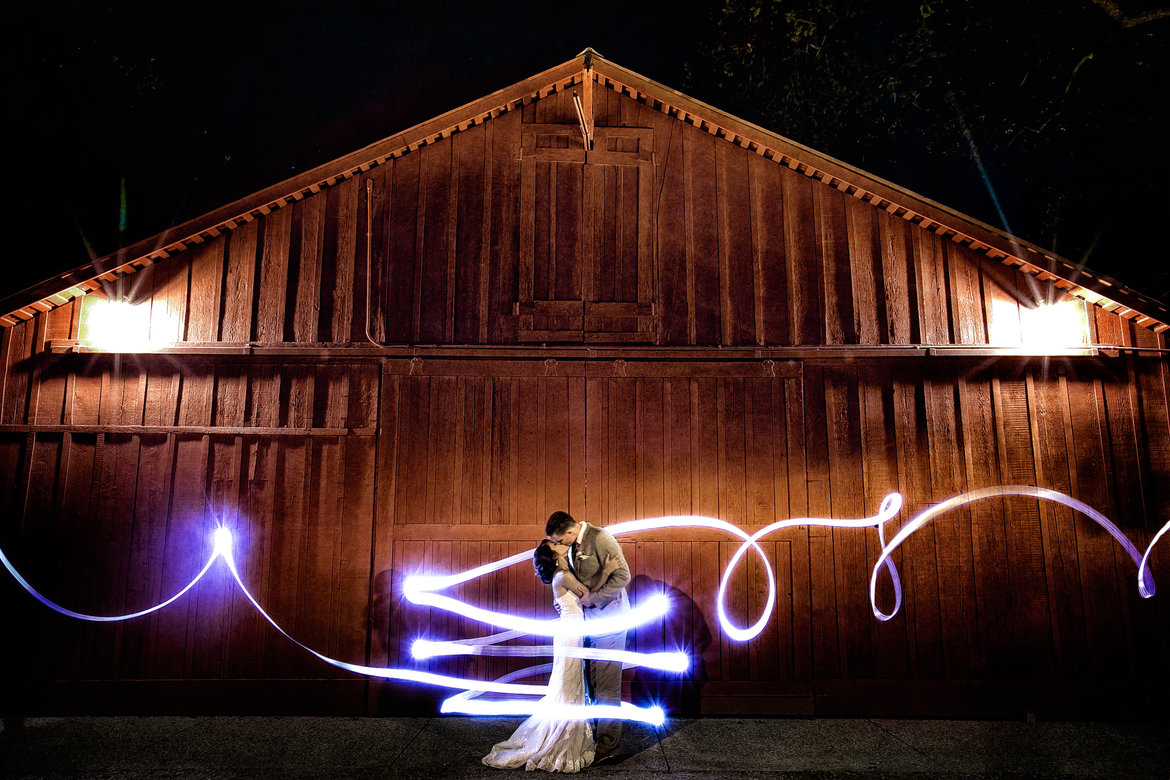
221	541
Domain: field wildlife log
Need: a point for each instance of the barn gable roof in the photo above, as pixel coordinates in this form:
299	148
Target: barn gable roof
590	67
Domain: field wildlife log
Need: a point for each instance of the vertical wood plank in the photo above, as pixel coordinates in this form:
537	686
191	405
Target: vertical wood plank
805	279
507	242
401	224
952	530
346	291
274	279
675	289
1058	533
846	487
993	597
1031	630
900	282
737	279
471	269
865	272
919	575
307	306
930	271
967	322
239	278
825	630
702	237
833	250
798	506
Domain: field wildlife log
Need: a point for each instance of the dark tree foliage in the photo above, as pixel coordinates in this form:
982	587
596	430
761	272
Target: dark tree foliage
1027	115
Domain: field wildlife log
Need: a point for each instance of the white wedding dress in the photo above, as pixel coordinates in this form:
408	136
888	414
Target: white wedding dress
553	744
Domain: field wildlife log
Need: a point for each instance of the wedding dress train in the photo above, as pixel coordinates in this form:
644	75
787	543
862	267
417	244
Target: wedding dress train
553	744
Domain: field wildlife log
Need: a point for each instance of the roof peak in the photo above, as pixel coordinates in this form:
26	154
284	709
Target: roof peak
588	55
590	65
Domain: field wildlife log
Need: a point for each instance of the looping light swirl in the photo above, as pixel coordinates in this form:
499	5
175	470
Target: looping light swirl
423	590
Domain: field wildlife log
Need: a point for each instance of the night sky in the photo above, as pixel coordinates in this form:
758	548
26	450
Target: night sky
193	106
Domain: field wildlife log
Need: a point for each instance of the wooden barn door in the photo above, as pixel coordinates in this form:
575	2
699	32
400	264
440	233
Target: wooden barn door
586	245
477	453
722	440
474	457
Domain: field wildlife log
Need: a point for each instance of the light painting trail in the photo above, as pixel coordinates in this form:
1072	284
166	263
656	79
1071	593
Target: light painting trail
422	590
216	552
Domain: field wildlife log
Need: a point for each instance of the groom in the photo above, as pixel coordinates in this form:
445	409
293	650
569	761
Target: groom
589	549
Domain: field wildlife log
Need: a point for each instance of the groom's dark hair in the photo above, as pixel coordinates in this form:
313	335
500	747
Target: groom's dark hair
558	523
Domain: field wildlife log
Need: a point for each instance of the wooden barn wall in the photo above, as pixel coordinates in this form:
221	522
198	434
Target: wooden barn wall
343	477
344	473
500	235
728	247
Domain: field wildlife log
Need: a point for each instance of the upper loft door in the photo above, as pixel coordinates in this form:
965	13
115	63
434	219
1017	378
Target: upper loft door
586	235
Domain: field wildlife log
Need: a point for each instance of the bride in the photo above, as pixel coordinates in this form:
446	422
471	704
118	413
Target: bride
555	744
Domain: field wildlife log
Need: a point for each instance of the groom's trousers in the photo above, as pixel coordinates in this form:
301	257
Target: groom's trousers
605	687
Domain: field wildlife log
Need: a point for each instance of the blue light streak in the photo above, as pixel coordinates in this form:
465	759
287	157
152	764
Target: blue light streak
423	590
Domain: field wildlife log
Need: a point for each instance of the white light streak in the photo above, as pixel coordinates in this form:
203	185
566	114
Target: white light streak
649	609
423	649
421	590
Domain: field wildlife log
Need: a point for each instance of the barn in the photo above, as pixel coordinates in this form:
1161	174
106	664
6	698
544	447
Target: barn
586	291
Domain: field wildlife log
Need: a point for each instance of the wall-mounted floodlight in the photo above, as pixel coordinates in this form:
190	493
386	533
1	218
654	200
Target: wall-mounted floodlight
118	326
1056	325
1057	328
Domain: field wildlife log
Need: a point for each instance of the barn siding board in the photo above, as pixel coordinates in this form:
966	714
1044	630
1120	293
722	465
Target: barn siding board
206	294
306	307
506	226
849	548
952	531
805	277
772	321
833	249
670	232
273	281
898	276
963	267
404	252
239	277
865	272
468	268
16	377
432	301
931	286
919	574
988	536
1031	629
826	660
703	298
1058	529
1102	592
736	272
328	272
148	460
674	281
879	458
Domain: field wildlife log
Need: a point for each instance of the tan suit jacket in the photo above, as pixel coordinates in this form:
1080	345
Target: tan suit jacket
593	548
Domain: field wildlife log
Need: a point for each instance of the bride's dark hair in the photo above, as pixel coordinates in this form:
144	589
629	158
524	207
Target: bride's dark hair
544	560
